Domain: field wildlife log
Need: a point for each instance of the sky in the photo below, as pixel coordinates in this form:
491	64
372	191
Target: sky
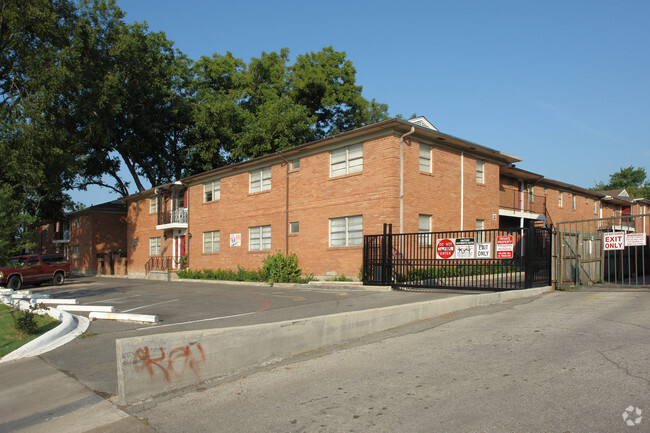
564	85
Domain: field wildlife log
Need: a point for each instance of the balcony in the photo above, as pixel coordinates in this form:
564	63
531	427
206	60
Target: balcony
525	202
61	237
175	219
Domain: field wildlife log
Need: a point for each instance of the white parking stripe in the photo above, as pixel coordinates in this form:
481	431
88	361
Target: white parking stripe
150	305
197	321
116	299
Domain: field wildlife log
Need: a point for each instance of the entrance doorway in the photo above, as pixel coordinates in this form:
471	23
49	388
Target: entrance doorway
180	250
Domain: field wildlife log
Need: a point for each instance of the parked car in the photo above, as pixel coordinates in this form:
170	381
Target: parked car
34	269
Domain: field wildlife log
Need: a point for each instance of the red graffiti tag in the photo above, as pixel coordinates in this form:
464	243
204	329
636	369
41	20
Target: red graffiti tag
173	366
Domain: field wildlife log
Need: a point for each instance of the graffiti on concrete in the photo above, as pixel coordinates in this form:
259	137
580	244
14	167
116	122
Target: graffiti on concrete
171	365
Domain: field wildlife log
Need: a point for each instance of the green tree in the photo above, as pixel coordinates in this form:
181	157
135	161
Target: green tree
634	180
243	111
133	107
37	160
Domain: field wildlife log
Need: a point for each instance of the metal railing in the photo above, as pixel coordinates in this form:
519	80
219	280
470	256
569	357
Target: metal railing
179	215
159	263
522	202
468	260
611	251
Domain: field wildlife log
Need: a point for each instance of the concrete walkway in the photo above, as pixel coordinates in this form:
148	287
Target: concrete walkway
37	397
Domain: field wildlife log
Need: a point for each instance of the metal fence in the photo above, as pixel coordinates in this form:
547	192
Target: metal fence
611	251
503	259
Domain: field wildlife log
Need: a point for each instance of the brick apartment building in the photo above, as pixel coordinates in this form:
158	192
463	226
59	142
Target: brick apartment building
93	239
318	200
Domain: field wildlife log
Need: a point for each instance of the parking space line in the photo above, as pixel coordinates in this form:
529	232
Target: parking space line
116	299
150	305
196	321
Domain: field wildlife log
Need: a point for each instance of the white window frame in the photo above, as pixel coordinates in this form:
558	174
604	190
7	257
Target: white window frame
480	226
213	190
294	227
260	180
424	226
573	203
153	204
351	227
155	246
211	242
294	164
595	207
259	238
559	199
75	252
480	171
346	160
426	158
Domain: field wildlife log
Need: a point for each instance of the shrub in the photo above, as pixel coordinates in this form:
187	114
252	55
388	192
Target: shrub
280	268
25	322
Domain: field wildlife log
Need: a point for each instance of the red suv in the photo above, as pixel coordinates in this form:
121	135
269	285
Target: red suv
35	270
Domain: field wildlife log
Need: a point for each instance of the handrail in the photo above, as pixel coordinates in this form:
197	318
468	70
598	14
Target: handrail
159	263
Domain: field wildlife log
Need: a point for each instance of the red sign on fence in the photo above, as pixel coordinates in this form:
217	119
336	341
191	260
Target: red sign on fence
505	247
445	248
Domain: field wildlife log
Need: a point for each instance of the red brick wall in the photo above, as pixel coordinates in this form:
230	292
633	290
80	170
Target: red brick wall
140	226
315	198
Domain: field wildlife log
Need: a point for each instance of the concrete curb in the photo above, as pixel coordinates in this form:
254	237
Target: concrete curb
123	317
186	358
69	329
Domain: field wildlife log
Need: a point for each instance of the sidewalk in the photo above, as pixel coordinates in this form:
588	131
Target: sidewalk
36	397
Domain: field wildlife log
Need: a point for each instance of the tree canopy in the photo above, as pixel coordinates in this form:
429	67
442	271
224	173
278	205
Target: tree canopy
84	94
634	180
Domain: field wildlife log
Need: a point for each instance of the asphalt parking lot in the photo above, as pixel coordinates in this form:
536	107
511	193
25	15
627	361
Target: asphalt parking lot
188	305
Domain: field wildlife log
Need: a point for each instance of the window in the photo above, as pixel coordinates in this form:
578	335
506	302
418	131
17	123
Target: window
212	191
346	231
259	238
573	203
76	222
531	194
347	160
595	207
424	226
211	242
425	158
559	199
154	246
295	164
260	180
545	190
75	252
294	227
153	204
480	166
480	226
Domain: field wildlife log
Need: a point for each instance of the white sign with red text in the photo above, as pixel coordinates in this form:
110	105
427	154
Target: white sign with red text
635	240
614	240
505	247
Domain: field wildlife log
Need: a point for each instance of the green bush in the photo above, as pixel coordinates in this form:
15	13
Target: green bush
277	268
280	268
26	320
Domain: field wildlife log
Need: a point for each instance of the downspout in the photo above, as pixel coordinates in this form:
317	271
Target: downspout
462	188
401	179
286	210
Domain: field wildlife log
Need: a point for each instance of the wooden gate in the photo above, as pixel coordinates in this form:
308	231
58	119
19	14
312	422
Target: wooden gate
586	253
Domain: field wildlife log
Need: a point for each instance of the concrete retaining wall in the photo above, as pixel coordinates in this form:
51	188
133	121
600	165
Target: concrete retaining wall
153	364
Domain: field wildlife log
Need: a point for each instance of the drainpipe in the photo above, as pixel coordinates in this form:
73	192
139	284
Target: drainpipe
401	179
462	188
286	210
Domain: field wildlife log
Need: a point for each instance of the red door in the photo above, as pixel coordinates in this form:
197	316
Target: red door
181	241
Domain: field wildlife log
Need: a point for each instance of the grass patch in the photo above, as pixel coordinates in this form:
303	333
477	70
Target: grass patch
11	338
